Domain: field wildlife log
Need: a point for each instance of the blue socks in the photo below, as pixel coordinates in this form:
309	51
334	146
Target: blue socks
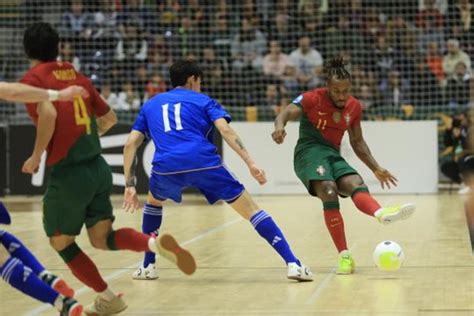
267	228
25	280
152	216
16	249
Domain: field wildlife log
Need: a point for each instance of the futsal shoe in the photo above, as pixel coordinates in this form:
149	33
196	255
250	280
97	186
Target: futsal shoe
58	284
388	215
346	264
148	273
103	307
299	272
169	249
71	307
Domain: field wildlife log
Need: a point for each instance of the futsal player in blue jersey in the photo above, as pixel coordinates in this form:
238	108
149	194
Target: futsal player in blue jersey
20	268
181	123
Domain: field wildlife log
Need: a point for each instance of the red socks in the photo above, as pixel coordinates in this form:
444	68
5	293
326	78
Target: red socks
365	202
128	239
335	225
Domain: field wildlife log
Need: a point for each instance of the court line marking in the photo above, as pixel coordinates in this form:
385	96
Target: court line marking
84	289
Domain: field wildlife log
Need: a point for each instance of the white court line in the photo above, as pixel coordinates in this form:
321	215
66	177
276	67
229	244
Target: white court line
84	289
314	296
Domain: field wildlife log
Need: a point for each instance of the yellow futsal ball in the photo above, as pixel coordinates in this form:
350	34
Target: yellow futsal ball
388	256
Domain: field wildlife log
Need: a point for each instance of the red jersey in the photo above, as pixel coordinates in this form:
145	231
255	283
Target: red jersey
322	121
75	123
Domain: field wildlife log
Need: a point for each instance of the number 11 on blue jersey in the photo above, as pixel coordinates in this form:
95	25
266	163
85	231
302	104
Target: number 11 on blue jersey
177	117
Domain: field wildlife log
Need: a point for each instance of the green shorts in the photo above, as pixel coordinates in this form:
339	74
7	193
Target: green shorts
77	194
320	163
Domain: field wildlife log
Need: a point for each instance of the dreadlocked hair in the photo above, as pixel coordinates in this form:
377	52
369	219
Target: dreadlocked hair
335	68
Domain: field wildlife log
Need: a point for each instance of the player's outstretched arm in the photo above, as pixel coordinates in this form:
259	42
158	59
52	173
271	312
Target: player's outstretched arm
135	139
363	152
291	112
19	92
44	132
234	141
106	121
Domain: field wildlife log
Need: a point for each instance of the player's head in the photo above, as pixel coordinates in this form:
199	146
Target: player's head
338	81
186	73
41	42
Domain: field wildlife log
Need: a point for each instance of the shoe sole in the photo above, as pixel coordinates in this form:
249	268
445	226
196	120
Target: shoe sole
169	248
299	279
97	314
144	279
76	310
405	212
63	289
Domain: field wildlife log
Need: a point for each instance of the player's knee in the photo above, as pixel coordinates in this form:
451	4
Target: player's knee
60	243
4	255
328	192
99	242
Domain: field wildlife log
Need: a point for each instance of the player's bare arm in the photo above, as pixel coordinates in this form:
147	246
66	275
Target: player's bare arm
106	121
363	152
291	112
44	132
19	92
234	141
135	139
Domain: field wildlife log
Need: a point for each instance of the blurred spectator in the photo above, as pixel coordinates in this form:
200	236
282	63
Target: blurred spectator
395	91
155	86
309	64
110	97
284	31
141	16
187	39
128	98
160	46
272	97
454	56
247	47
76	25
434	59
429	16
132	48
275	62
66	53
221	35
455	140
373	26
210	61
383	59
289	81
424	87
460	22
106	34
459	86
440	5
169	12
158	64
430	32
140	81
341	36
366	96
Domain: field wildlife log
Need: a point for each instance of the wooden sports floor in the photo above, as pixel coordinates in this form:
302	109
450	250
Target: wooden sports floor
239	274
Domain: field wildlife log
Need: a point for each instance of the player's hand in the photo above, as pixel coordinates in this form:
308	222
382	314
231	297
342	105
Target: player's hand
385	178
31	165
130	200
71	92
279	135
257	173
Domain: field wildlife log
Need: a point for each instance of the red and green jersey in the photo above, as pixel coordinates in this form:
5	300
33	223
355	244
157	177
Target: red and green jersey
75	137
322	122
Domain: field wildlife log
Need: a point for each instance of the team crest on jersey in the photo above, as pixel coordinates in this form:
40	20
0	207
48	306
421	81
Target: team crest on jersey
321	170
336	117
347	118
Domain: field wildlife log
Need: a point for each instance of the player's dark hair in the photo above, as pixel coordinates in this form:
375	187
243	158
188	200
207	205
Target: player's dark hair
335	68
181	70
41	42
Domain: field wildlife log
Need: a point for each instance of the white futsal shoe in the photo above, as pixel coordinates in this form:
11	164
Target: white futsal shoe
148	273
299	272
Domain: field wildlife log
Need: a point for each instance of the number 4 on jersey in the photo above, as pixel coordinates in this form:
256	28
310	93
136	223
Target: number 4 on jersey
177	117
81	115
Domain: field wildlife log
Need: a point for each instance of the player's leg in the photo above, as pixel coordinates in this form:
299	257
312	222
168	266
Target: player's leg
220	184
18	250
151	223
23	278
352	185
326	190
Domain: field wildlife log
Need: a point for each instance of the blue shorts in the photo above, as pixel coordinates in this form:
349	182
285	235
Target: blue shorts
216	184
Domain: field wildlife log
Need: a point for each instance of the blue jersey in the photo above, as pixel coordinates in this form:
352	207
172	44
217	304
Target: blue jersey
181	123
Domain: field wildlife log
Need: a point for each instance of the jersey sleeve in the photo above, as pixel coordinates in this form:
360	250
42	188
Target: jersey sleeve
32	80
141	124
216	111
98	103
298	101
357	114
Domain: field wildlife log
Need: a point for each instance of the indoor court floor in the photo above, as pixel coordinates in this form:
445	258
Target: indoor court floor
239	274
